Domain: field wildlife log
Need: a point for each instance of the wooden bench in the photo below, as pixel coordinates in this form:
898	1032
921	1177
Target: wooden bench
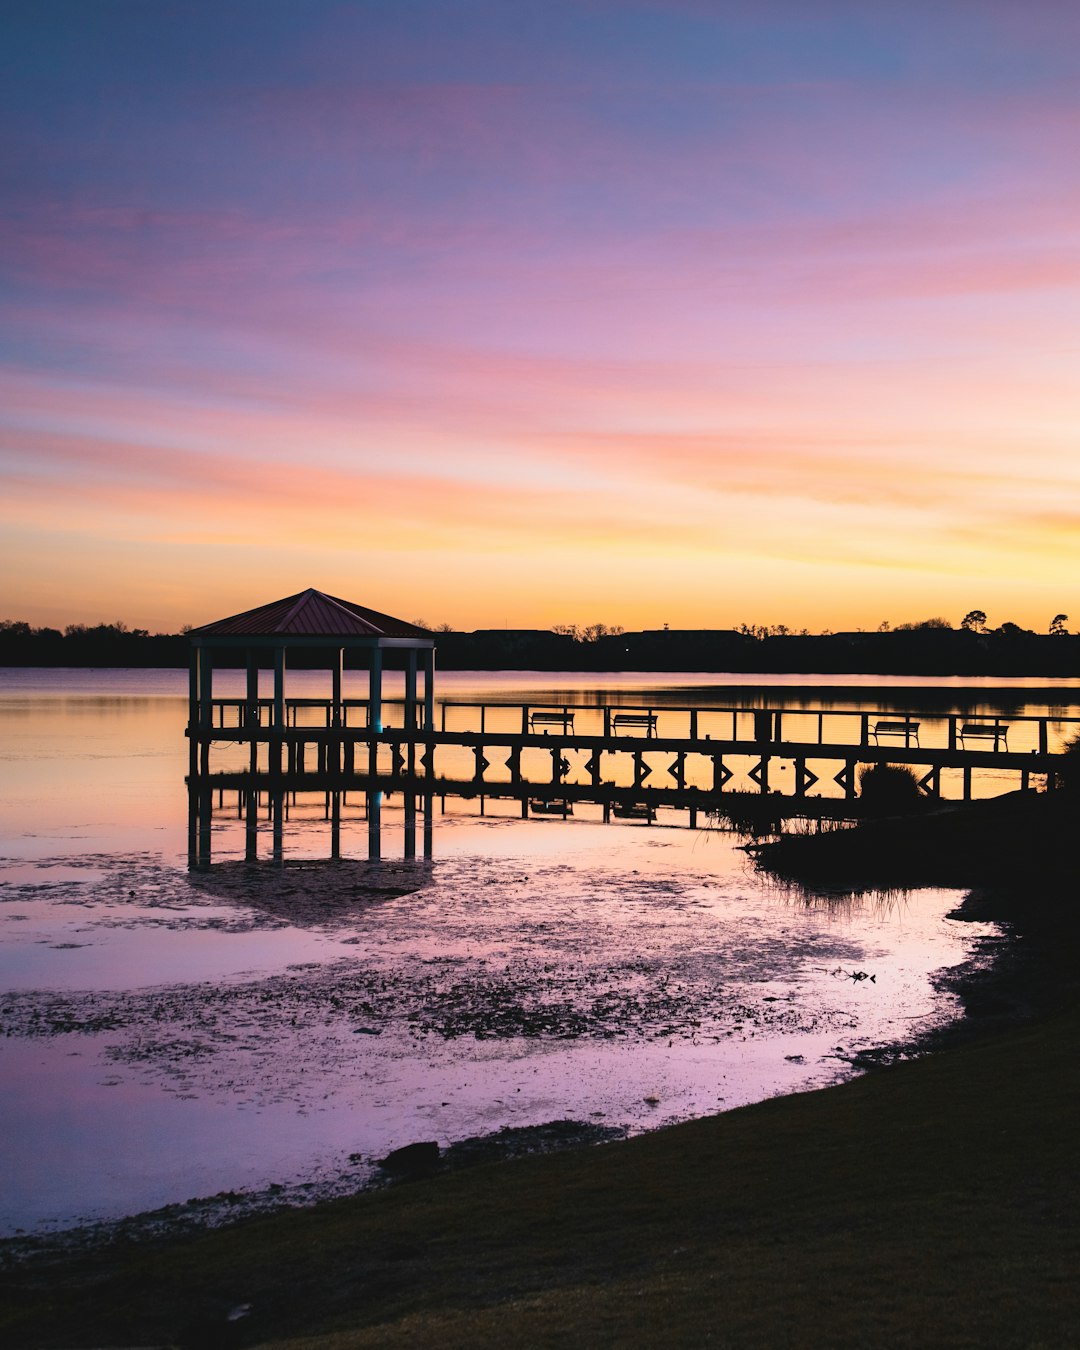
636	721
985	731
909	730
565	720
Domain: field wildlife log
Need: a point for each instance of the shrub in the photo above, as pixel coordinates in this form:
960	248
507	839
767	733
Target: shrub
889	787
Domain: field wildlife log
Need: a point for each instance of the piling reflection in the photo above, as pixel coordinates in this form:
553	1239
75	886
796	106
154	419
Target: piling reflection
348	823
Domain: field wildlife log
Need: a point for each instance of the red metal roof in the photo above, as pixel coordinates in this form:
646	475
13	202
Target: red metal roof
311	613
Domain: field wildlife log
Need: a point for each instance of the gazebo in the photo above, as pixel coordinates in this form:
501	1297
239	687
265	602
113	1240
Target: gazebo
309	620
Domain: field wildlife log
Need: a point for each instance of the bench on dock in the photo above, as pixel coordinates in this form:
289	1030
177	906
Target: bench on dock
909	730
636	721
565	720
985	731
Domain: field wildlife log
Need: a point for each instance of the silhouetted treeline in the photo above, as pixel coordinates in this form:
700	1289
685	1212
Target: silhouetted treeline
103	644
909	650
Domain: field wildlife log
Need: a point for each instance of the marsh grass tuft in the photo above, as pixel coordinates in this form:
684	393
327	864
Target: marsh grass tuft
889	787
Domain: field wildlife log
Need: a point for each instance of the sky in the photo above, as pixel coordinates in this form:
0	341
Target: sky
691	312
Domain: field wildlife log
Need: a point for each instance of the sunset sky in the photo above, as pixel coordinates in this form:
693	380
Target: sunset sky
498	313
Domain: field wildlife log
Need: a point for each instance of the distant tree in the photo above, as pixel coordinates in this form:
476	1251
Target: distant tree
974	621
1057	625
1011	630
935	623
570	630
444	628
884	626
595	631
758	631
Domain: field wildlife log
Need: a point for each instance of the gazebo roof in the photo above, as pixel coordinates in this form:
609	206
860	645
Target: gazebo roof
313	614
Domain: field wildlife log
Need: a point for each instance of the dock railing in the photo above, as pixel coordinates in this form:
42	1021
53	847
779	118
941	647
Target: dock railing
753	726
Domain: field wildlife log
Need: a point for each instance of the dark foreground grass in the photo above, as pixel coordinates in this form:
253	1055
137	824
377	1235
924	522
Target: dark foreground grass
933	1204
936	1203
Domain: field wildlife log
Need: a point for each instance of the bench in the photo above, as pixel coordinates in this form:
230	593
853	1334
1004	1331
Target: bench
985	731
637	721
909	730
565	720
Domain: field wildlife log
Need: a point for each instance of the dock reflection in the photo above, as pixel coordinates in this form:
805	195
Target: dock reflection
268	820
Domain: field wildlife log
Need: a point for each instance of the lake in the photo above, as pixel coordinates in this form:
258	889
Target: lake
172	1035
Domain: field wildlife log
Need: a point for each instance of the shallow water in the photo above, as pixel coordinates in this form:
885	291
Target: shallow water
170	1034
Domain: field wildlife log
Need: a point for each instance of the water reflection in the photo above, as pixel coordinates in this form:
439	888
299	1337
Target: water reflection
268	814
276	823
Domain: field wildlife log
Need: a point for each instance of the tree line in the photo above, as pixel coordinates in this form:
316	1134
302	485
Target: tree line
927	647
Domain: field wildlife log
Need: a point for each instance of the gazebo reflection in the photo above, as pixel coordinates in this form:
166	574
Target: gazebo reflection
281	822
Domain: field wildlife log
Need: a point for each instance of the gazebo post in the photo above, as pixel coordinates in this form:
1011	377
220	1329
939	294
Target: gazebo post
375	690
374	708
279	706
206	707
251	712
335	692
193	712
333	750
410	708
429	688
410	691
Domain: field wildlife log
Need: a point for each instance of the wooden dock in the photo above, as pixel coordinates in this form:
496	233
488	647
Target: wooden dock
700	750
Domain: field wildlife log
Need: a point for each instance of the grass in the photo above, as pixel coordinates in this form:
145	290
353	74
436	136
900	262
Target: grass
936	1203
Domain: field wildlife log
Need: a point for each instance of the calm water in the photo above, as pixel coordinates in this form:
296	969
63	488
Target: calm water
172	1035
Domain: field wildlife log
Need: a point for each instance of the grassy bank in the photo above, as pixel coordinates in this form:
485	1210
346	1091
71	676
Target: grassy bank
935	1203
